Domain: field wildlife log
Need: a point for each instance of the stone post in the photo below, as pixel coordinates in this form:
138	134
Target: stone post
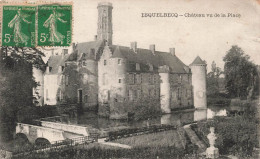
212	151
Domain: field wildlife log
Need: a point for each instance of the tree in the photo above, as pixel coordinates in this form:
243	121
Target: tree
240	73
16	84
212	79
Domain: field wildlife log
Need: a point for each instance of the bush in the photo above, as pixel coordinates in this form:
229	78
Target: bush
98	152
218	99
237	135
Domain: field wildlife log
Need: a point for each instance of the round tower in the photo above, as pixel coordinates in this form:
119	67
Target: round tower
165	89
199	71
105	30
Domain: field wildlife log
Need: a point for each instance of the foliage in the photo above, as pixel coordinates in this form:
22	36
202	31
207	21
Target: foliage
29	114
218	99
16	83
237	135
241	73
145	108
98	152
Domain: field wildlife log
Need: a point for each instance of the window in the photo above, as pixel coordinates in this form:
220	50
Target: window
119	80
67	80
151	78
119	62
105	62
50	68
130	95
84	63
137	67
180	76
179	93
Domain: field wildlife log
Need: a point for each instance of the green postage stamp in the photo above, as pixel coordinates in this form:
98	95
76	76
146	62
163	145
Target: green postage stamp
54	25
41	25
18	26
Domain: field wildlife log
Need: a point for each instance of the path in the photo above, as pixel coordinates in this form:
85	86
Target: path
194	138
102	141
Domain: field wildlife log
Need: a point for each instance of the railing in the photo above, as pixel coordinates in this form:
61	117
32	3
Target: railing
54	145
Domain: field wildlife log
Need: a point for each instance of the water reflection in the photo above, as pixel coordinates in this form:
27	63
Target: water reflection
176	118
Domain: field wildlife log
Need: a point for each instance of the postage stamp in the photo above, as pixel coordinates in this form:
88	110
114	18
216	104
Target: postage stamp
54	25
39	24
18	26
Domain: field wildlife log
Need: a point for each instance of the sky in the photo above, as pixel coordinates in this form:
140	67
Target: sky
209	38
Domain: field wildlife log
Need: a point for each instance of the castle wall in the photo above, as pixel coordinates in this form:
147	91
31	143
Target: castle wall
180	91
51	87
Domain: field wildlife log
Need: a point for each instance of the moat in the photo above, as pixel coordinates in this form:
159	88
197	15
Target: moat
176	118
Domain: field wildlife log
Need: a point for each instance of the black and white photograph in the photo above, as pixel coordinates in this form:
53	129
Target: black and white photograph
121	79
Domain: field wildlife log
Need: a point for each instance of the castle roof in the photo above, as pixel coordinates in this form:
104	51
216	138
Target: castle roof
146	56
55	61
85	47
141	56
198	61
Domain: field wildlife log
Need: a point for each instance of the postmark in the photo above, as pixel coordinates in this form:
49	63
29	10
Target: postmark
18	26
54	25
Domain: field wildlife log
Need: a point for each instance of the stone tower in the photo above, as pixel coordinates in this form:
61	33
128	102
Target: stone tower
165	88
199	71
105	31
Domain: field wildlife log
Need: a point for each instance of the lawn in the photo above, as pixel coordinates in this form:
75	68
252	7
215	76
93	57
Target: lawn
159	139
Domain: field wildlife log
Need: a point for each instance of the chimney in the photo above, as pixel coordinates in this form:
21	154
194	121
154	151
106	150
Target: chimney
74	45
95	38
134	46
172	51
47	69
152	48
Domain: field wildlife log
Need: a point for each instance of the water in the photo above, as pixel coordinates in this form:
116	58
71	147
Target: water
175	118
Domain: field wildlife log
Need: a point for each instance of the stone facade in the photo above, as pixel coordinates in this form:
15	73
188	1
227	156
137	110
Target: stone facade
109	77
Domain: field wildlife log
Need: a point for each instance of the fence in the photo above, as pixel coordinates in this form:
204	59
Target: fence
55	145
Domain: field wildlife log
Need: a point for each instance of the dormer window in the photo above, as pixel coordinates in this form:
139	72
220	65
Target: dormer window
119	61
105	62
92	51
137	65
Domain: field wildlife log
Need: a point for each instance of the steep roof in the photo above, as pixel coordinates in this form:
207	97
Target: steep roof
85	48
198	61
146	56
55	61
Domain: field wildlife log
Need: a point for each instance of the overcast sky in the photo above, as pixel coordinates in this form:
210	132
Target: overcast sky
210	38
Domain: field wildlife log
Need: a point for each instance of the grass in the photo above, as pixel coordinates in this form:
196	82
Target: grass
160	139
